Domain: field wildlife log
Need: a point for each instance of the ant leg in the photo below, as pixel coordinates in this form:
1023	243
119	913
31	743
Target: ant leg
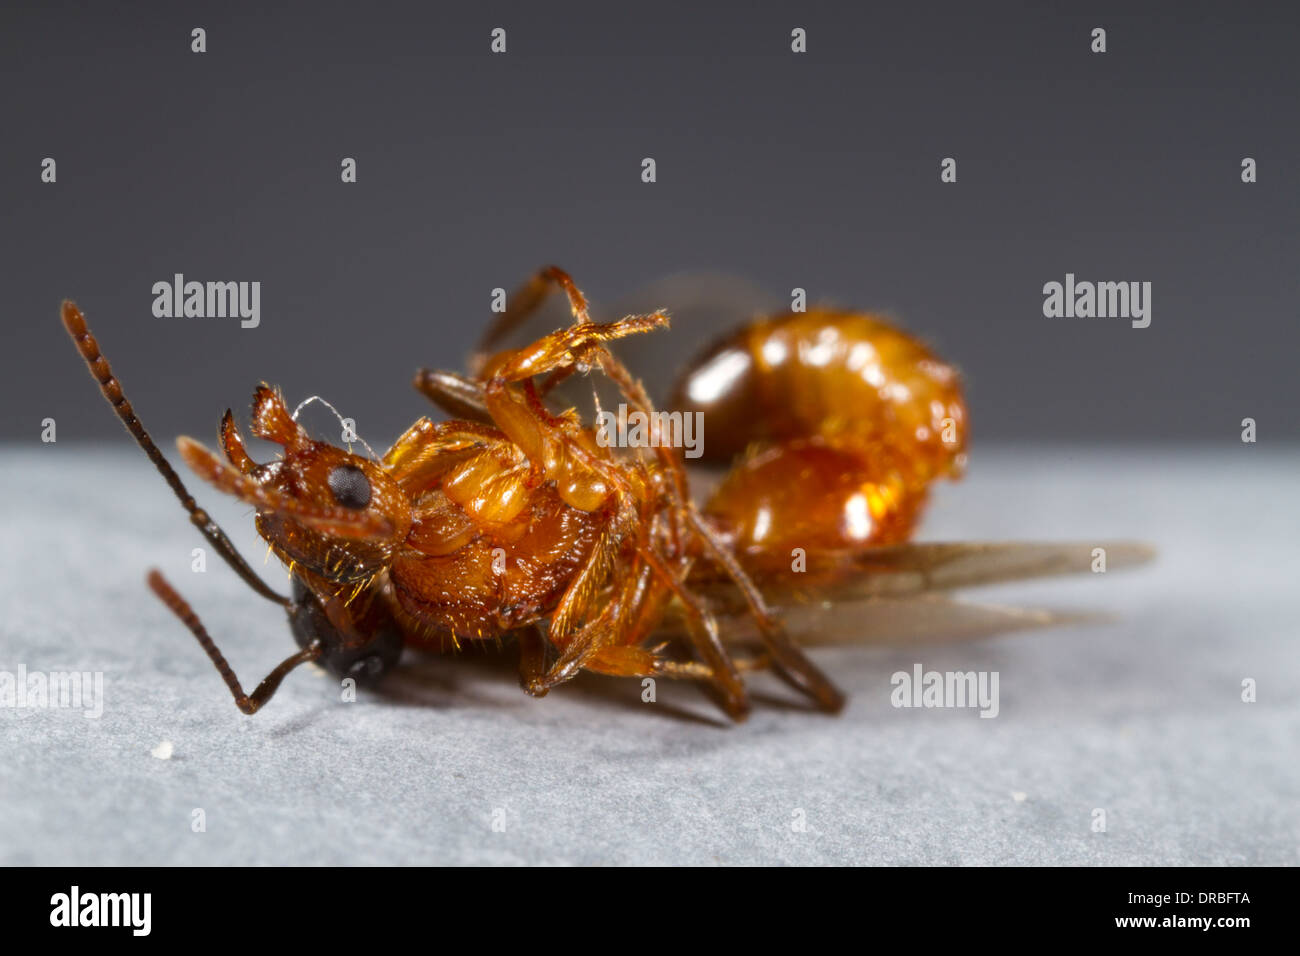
702	628
789	661
692	670
459	396
631	661
538	679
532	658
248	703
85	342
568	346
428	446
592	649
584	587
649	584
462	396
524	301
632	390
510	407
618	661
596	637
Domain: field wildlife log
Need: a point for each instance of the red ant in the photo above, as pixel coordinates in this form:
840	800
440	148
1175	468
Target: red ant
513	520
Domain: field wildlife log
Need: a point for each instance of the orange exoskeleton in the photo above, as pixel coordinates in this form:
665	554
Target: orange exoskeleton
513	519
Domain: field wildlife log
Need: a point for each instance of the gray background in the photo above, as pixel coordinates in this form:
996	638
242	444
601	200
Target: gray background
818	171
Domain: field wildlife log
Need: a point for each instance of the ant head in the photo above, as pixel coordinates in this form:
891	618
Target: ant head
327	510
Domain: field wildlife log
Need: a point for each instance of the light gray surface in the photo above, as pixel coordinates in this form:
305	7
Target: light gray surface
1141	717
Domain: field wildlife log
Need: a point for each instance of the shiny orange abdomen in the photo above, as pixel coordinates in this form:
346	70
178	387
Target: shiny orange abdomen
840	420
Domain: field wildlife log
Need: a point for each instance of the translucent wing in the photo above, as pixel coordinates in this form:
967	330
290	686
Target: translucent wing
921	619
897	594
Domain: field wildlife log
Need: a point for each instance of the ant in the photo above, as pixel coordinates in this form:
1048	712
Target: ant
512	520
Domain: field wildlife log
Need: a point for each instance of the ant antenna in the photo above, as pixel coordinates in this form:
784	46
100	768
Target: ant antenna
248	703
85	342
316	398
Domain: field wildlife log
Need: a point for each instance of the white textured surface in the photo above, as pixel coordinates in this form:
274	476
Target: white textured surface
1141	717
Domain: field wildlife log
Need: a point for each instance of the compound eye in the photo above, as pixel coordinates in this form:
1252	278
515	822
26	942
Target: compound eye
350	487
